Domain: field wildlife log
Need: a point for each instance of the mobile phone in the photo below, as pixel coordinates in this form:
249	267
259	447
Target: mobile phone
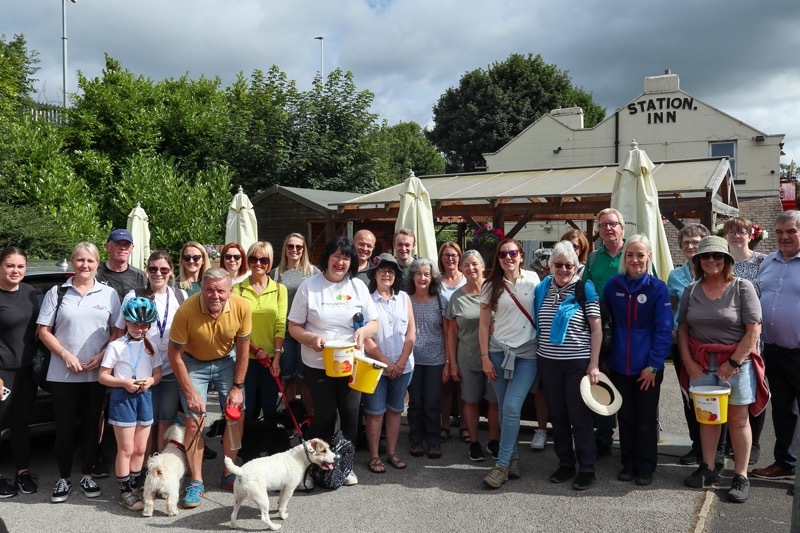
6	393
140	382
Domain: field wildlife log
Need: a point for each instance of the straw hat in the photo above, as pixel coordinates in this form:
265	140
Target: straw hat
602	398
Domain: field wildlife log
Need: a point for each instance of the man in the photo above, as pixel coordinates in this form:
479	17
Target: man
403	243
116	272
203	331
365	241
779	283
601	266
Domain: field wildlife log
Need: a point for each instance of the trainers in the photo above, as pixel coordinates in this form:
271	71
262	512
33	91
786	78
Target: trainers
194	491
702	477
28	483
583	481
226	482
740	488
539	440
493	448
7	489
61	491
773	471
513	468
562	475
89	487
496	477
131	501
476	452
351	479
99	468
627	474
689	459
644	478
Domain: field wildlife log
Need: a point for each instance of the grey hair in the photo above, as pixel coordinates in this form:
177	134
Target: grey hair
420	262
472	253
792	215
633	240
216	274
563	250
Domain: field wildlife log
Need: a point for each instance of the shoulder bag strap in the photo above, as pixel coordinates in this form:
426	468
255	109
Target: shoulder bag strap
524	312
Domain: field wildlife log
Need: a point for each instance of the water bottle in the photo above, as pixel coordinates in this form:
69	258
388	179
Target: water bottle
358	321
233	417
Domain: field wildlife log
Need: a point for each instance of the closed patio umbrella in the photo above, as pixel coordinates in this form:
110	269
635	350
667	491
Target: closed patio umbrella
415	213
241	226
139	228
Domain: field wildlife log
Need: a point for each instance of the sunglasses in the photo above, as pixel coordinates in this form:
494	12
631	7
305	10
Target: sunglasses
509	253
192	258
559	265
253	260
298	247
154	269
705	256
232	257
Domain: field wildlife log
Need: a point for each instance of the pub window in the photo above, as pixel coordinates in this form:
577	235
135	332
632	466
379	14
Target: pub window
726	148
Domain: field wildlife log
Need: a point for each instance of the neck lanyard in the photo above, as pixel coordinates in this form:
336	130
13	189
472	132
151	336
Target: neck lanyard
162	325
135	364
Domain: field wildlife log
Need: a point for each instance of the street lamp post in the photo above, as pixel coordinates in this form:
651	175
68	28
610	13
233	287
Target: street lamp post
64	45
321	58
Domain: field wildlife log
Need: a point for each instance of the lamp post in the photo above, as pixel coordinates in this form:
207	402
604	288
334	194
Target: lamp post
321	57
64	45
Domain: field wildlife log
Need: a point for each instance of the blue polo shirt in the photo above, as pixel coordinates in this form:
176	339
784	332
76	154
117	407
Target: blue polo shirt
779	283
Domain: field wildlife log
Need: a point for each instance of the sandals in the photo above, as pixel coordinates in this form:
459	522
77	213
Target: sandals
376	466
396	461
444	434
465	436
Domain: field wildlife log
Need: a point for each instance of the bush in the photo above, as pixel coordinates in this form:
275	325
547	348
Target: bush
39	235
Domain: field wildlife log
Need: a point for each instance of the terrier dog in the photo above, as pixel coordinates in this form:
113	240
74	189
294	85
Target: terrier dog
165	471
282	472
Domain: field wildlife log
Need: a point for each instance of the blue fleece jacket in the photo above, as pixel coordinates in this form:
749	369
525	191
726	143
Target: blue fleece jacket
567	308
642	317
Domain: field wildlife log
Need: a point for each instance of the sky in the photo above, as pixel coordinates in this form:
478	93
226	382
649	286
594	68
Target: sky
739	56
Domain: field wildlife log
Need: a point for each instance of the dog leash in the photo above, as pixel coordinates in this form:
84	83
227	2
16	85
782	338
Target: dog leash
291	414
199	422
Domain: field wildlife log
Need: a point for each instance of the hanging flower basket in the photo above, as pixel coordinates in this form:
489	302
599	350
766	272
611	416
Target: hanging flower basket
485	239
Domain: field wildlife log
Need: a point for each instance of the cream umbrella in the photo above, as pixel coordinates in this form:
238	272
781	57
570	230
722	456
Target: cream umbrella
139	228
635	196
241	226
415	213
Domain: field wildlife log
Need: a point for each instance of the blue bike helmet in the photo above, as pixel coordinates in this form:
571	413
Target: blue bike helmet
140	310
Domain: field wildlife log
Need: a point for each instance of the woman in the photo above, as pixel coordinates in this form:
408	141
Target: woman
720	322
19	308
451	280
642	317
464	356
269	301
294	268
232	259
569	349
160	271
430	367
77	340
393	345
324	309
194	263
581	245
508	352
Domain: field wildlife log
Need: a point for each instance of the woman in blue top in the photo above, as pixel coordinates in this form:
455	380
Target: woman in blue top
642	315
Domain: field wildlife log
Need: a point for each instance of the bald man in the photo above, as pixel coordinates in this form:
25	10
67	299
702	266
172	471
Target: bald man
365	241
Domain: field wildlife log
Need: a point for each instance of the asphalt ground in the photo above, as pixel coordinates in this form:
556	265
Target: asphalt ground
445	494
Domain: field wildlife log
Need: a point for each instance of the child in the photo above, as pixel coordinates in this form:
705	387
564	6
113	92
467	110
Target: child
135	368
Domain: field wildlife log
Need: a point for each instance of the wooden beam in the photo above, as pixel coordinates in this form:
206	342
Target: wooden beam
518	226
678	223
573	225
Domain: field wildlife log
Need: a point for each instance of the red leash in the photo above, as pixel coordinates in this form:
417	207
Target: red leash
291	414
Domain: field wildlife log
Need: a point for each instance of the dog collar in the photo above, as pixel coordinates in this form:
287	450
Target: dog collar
178	444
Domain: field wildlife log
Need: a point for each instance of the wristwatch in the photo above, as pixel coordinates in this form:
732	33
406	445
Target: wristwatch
239	385
734	364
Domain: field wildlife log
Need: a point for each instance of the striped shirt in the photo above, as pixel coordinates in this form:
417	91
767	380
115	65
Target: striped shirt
577	342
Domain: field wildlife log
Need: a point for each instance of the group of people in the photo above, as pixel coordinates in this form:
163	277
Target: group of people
450	336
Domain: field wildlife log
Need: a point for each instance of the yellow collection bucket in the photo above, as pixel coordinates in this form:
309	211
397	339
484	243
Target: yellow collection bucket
366	374
710	403
338	357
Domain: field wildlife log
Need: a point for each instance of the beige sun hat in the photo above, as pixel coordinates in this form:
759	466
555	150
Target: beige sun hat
603	398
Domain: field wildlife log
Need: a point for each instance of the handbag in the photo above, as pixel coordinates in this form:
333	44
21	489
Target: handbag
41	357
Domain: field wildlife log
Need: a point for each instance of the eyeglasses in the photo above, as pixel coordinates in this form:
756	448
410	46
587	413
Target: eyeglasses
608	225
509	253
449	256
705	256
386	271
154	269
737	232
298	247
559	265
192	258
694	244
253	260
233	257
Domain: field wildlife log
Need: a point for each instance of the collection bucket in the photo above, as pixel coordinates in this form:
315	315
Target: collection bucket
710	404
338	356
367	373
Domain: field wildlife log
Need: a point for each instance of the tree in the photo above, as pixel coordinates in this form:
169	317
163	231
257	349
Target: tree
17	68
403	147
490	107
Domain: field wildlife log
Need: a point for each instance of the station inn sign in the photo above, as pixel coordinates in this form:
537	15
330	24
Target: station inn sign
662	110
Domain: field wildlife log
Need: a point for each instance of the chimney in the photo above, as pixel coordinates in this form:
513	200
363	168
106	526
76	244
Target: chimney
666	83
571	117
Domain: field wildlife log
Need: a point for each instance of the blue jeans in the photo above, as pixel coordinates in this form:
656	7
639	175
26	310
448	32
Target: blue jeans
424	405
219	372
511	394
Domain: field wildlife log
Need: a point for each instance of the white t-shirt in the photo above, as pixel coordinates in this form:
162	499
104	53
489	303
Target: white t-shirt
511	326
129	358
327	309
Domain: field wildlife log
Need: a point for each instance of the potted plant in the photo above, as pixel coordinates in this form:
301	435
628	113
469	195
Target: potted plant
485	240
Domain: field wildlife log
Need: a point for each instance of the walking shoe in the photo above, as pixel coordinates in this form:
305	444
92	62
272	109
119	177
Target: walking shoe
496	477
755	454
434	452
476	452
7	489
513	468
194	491
28	483
226	482
61	491
493	448
740	488
603	450
539	440
644	478
773	471
583	481
416	450
89	487
351	479
562	475
131	501
627	474
99	468
702	477
689	459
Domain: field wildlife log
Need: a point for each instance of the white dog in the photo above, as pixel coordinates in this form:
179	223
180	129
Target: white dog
282	471
165	471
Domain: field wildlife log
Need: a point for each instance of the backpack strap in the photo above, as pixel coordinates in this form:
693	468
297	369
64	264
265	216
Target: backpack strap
60	292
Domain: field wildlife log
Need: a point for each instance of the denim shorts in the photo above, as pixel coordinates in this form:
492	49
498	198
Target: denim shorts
389	394
742	384
220	372
166	396
291	364
475	386
130	409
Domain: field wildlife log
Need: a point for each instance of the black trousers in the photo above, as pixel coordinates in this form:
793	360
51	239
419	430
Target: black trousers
73	402
17	411
638	422
783	369
332	397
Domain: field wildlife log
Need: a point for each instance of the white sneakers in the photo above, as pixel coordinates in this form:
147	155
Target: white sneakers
539	440
351	479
